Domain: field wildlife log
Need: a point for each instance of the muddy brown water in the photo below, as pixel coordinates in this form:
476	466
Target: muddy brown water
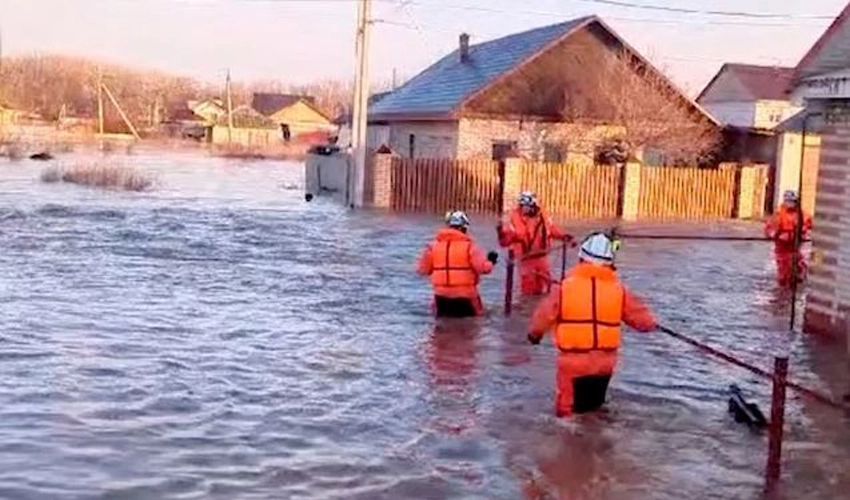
221	338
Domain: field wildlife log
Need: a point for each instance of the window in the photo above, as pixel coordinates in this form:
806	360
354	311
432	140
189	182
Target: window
552	153
503	149
284	130
411	145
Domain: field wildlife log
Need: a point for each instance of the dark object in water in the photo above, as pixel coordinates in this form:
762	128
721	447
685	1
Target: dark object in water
43	156
308	197
323	150
744	412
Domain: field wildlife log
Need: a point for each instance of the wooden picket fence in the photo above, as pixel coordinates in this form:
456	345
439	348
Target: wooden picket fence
574	191
439	185
569	191
686	193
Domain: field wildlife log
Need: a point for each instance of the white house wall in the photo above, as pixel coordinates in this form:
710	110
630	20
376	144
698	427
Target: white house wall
430	139
769	114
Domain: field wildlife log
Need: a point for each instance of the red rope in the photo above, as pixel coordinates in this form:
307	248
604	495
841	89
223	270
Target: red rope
811	393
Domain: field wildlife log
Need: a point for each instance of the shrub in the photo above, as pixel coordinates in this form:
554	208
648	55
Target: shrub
101	176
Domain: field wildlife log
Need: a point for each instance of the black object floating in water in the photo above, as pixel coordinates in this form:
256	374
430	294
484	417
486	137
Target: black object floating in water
308	197
744	412
43	156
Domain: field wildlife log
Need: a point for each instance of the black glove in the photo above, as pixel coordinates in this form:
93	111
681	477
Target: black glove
493	257
534	340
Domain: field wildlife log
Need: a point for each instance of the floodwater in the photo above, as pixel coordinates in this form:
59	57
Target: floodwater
221	338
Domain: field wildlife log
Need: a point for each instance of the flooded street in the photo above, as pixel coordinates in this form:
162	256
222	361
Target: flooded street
218	337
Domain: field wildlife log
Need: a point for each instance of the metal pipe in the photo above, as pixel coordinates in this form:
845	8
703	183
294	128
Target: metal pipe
777	424
509	284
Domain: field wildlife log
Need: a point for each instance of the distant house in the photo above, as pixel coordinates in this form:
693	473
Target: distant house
250	129
754	105
749	96
821	83
210	110
294	114
502	97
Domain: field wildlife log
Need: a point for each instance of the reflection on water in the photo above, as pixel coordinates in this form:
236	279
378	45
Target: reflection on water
220	338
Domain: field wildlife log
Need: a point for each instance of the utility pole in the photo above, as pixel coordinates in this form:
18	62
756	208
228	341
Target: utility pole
229	111
100	101
395	84
361	100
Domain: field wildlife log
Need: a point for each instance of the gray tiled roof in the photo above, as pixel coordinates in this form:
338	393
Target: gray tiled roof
445	85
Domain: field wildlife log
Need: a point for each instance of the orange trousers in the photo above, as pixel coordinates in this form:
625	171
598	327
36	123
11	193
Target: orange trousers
582	381
785	266
535	276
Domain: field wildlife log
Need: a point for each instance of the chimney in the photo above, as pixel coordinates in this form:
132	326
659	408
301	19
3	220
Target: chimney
464	47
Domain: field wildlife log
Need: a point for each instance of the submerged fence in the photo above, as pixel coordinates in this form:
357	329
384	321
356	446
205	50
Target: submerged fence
568	191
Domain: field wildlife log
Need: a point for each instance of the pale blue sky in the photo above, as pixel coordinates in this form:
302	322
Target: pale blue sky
301	40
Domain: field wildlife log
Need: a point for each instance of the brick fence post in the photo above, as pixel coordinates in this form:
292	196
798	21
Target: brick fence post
511	183
383	183
630	202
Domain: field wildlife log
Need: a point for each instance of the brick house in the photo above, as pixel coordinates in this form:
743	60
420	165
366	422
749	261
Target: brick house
822	83
502	97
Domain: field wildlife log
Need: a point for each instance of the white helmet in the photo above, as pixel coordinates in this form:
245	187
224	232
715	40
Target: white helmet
457	219
790	197
527	199
598	248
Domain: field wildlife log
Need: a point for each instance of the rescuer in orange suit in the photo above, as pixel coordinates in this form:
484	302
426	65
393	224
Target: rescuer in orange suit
781	229
586	311
530	233
455	263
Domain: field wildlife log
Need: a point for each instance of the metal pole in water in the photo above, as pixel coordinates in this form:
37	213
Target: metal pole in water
777	424
564	261
509	284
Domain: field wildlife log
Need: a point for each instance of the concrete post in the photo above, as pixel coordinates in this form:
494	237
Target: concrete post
631	191
382	178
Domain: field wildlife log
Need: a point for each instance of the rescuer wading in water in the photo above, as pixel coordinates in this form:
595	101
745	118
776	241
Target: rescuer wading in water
455	264
585	313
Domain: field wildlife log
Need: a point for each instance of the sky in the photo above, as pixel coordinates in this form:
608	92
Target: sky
299	41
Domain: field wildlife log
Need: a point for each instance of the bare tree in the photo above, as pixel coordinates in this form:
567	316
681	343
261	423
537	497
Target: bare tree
649	111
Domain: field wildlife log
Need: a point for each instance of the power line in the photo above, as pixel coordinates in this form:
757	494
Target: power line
724	13
767	17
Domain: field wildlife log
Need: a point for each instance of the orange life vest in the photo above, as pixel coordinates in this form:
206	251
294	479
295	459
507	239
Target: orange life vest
590	311
453	264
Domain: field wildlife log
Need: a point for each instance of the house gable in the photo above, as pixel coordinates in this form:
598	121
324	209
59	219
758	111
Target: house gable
830	53
725	87
300	112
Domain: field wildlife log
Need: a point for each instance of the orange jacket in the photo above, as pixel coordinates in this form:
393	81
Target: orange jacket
782	225
526	234
454	262
632	311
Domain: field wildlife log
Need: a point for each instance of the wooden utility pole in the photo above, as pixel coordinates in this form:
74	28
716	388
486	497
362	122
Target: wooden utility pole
121	111
229	110
99	100
360	106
